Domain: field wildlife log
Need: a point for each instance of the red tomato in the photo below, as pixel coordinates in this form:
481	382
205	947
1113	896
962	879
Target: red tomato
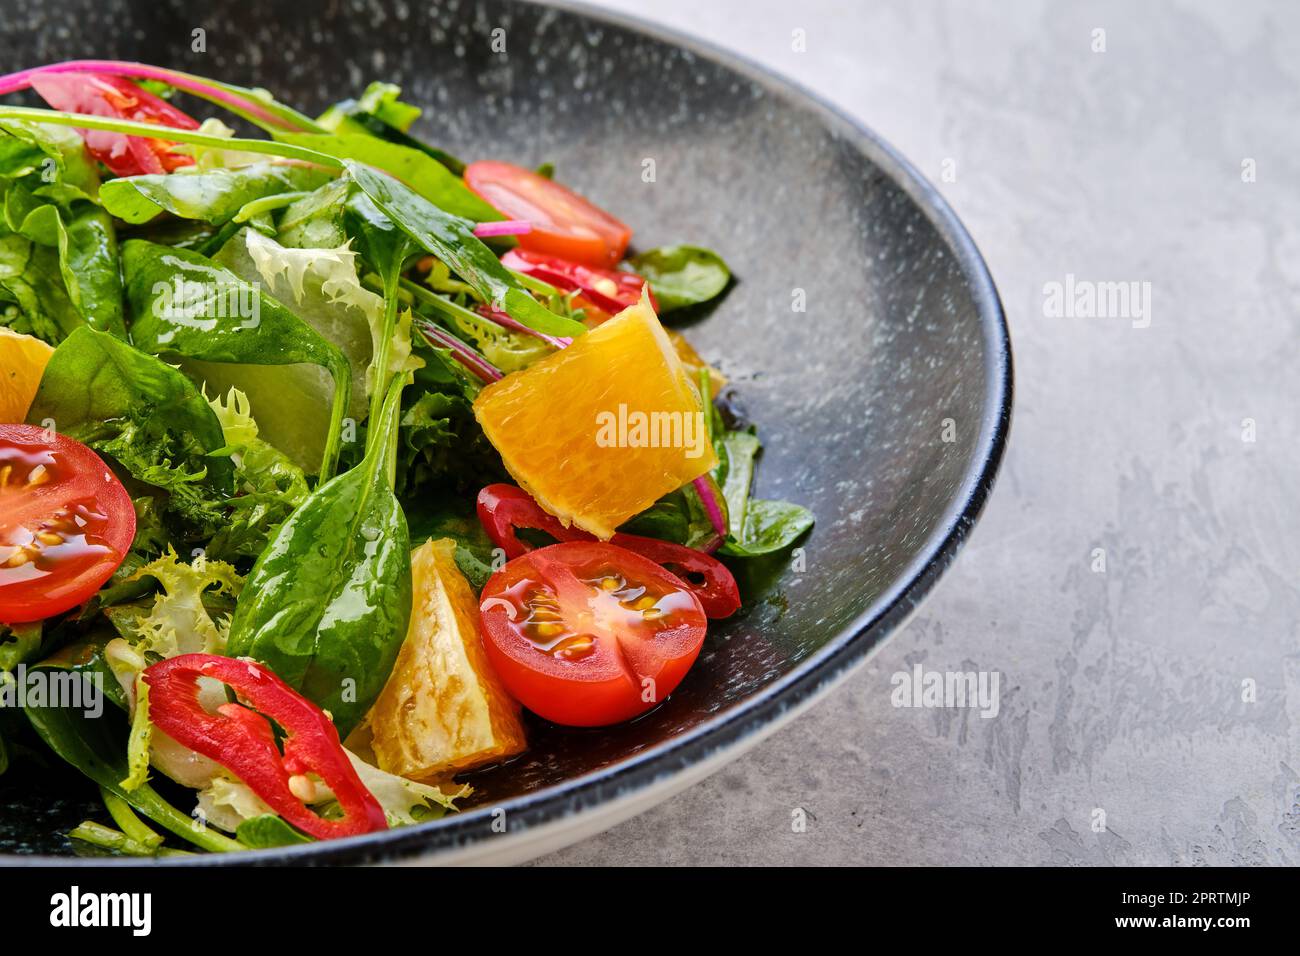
564	224
66	523
96	94
588	634
609	291
504	510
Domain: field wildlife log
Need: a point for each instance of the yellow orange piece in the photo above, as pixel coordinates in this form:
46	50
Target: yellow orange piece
694	364
601	430
22	363
443	709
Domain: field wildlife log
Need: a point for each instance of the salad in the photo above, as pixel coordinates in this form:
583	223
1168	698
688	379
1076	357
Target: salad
331	464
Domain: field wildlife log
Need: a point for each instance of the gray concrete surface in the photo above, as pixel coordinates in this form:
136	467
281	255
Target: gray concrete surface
1171	446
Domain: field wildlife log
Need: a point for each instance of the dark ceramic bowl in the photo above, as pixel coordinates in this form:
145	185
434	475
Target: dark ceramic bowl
902	332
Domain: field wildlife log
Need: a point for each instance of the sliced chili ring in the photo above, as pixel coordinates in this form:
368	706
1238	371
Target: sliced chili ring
505	509
239	737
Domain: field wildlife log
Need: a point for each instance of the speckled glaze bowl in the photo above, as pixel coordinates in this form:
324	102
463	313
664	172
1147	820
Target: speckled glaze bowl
883	402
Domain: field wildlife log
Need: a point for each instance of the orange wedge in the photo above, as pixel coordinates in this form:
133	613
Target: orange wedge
443	709
694	364
22	363
601	430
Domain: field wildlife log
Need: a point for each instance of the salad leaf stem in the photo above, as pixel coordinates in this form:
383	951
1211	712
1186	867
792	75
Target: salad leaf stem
253	105
267	204
170	134
132	826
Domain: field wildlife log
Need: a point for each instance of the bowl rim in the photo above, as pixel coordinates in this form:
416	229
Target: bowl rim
780	701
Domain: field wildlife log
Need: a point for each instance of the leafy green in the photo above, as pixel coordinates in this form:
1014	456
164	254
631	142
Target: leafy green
56	153
31	281
19	643
145	415
86	241
327	604
405	801
757	526
267	831
424	174
269	485
452	240
212	195
187	305
682	275
770	526
97	747
182	619
379	112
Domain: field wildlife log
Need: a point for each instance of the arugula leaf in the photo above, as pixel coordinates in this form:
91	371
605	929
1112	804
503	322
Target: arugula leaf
187	305
144	414
327	603
452	240
211	195
681	276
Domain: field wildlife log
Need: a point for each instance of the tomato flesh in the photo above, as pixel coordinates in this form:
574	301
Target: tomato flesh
588	634
66	523
504	510
97	94
564	224
602	292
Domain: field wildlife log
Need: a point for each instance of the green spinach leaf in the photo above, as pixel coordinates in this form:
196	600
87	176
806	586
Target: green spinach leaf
212	195
682	275
268	830
144	414
327	604
187	305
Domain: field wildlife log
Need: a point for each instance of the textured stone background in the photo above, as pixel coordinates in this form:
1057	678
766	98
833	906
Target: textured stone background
1122	690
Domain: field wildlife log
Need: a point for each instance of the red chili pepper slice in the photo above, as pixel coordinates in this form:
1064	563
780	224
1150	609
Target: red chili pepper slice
504	509
609	290
98	94
241	740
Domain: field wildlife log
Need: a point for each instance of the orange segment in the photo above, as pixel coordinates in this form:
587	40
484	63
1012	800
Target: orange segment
694	364
443	709
22	363
600	431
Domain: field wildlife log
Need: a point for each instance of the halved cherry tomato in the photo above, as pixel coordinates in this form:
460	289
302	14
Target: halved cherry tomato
504	509
564	224
66	523
97	94
606	291
587	634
